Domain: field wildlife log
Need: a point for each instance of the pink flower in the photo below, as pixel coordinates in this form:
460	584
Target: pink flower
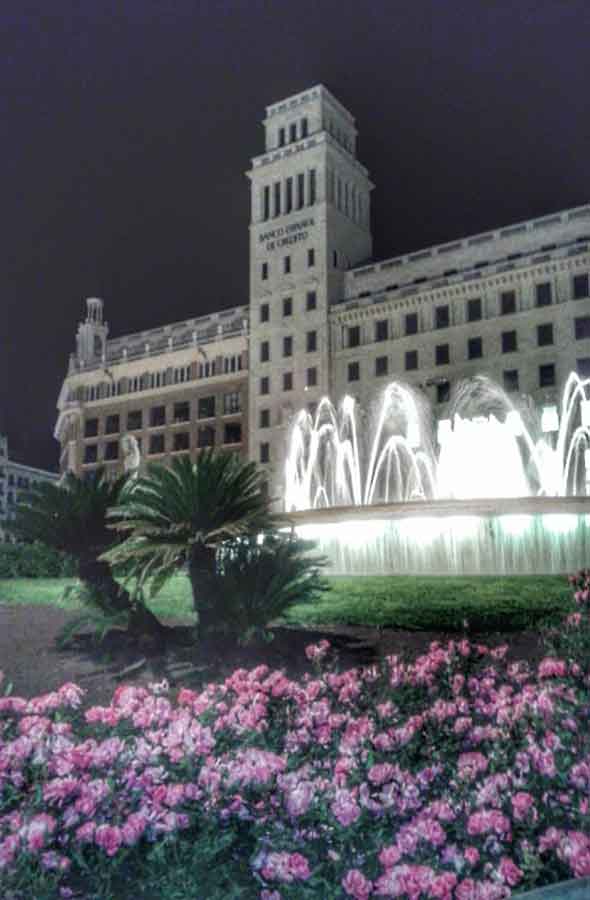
389	856
471	854
109	838
286	867
317	652
356	885
299	799
552	668
36	831
521	803
345	808
53	860
509	871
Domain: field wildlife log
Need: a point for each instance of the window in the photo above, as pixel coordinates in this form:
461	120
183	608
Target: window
335	258
157	416
287	265
264	312
264	351
264	271
181	441
545	334
411	360
312	377
91	428
411	323
287	306
441	317
112	424
509	342
581	286
206	408
311	257
474	348
134	420
381	330
264	421
583	366
157	444
443	392
287	381
277	198
182	412
266	203
312	188
265	385
582	327
354	373
288	195
304	127
232	433
442	355
91	453
311	300
265	453
354	335
474	309
311	341
232	403
381	365
507	303
281	137
293	131
510	377
288	345
300	190
544	294
206	437
547	375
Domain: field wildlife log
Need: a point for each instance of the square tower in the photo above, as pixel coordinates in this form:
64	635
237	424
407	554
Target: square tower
310	222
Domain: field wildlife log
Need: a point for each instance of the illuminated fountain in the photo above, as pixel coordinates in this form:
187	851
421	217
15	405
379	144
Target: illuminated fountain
491	489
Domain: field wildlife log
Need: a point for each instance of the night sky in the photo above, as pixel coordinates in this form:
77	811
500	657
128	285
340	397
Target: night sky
126	130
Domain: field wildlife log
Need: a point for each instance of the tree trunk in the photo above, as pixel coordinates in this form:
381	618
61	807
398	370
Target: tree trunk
112	598
201	567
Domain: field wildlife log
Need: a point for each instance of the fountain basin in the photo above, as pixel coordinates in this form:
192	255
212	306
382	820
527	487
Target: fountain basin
513	536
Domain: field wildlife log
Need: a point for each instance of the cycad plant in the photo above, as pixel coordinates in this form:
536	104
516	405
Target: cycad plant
179	515
72	517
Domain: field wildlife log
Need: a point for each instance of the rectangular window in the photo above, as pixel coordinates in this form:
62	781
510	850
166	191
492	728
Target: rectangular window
134	420
510	378
507	303
441	354
304	127
545	334
581	286
264	271
312	188
381	330
311	341
91	428
264	351
264	312
381	365
474	309
582	327
206	408
277	198
182	412
354	336
287	381
287	306
232	403
265	385
265	453
311	300
509	342
157	444
441	317
547	375
411	323
293	132
311	257
354	372
474	348
312	377
543	292
157	416
443	392
281	137
300	190
206	436
181	441
288	195
91	453
287	265
583	366
112	424
232	433
264	420
411	360
266	203
288	346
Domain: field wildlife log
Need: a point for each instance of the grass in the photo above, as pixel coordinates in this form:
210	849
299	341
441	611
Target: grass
417	603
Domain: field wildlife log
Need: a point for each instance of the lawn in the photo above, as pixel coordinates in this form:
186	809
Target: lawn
421	603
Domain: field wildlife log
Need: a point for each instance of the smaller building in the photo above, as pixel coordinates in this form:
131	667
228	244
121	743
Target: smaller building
16	480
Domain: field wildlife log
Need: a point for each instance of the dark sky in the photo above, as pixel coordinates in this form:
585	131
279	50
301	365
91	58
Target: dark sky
126	129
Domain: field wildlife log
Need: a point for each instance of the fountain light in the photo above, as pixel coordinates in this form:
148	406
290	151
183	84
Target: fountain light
413	435
549	419
444	430
514	423
585	410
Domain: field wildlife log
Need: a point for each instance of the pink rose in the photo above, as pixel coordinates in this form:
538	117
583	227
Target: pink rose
109	838
509	871
356	885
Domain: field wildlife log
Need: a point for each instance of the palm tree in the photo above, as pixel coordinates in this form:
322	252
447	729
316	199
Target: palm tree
72	517
179	515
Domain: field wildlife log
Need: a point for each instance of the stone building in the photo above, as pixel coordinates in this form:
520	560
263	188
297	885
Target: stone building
16	480
324	318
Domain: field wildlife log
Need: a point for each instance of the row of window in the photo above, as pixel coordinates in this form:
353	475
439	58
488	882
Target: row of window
265	268
473	311
156	416
311	302
346	197
297	131
291	193
311	346
311	380
175	443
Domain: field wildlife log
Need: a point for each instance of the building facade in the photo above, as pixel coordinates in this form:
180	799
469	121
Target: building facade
16	480
323	318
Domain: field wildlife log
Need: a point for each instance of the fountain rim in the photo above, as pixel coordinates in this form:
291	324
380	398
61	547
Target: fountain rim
496	506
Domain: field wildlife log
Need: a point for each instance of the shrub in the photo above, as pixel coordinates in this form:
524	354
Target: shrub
35	560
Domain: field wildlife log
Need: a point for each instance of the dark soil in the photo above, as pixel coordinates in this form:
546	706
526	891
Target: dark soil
33	664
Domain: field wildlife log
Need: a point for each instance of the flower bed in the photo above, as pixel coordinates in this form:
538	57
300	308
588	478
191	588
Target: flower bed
458	776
